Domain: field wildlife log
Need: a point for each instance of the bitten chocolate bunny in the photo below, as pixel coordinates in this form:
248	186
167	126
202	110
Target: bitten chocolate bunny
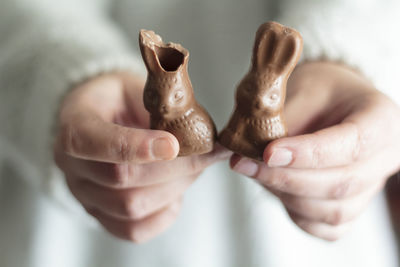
258	116
168	96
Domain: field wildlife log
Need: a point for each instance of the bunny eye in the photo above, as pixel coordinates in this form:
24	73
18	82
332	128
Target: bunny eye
249	89
274	96
178	95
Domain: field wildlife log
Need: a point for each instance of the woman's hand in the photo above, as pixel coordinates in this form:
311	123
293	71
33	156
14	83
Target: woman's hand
343	144
125	175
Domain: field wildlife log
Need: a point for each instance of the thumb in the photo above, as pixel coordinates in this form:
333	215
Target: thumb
92	138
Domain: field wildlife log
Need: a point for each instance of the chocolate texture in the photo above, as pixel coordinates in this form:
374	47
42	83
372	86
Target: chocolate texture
258	115
168	96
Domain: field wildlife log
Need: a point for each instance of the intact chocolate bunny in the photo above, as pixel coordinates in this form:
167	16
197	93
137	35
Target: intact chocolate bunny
168	96
258	116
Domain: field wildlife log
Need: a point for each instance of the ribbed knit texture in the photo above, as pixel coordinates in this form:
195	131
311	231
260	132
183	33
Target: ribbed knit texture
362	34
45	49
47	46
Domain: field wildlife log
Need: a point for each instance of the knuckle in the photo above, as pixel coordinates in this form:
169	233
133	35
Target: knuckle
133	206
336	217
316	155
124	149
119	174
278	179
356	152
342	189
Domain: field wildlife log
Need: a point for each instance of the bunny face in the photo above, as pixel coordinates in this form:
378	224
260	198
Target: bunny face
168	92
260	96
275	54
167	97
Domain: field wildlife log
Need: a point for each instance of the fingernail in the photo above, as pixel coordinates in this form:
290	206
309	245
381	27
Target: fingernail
246	167
280	157
162	149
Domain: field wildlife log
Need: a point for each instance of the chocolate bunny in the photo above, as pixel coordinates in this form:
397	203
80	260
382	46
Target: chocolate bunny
168	96
260	96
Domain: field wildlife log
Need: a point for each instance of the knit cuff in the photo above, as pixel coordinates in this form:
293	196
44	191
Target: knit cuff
350	33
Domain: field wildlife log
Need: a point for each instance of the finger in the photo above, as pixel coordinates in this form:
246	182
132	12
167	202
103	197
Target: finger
89	137
127	175
335	146
333	212
132	204
320	230
334	183
164	171
143	230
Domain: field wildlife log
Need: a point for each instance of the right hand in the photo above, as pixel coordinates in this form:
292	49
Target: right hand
125	175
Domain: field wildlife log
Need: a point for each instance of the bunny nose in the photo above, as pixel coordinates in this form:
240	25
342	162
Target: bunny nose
258	104
163	109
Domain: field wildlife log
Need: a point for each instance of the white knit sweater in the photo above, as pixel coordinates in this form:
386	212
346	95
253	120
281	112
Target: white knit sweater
47	46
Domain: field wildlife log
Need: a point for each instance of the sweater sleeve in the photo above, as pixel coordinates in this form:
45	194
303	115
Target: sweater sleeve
45	47
361	33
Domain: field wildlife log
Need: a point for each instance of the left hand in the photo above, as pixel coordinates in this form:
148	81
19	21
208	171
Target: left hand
124	174
343	144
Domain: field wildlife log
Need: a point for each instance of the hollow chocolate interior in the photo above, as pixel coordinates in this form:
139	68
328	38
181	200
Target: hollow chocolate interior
170	59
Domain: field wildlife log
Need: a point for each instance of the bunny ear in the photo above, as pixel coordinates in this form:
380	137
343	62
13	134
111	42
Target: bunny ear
288	51
161	57
147	43
276	48
264	45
